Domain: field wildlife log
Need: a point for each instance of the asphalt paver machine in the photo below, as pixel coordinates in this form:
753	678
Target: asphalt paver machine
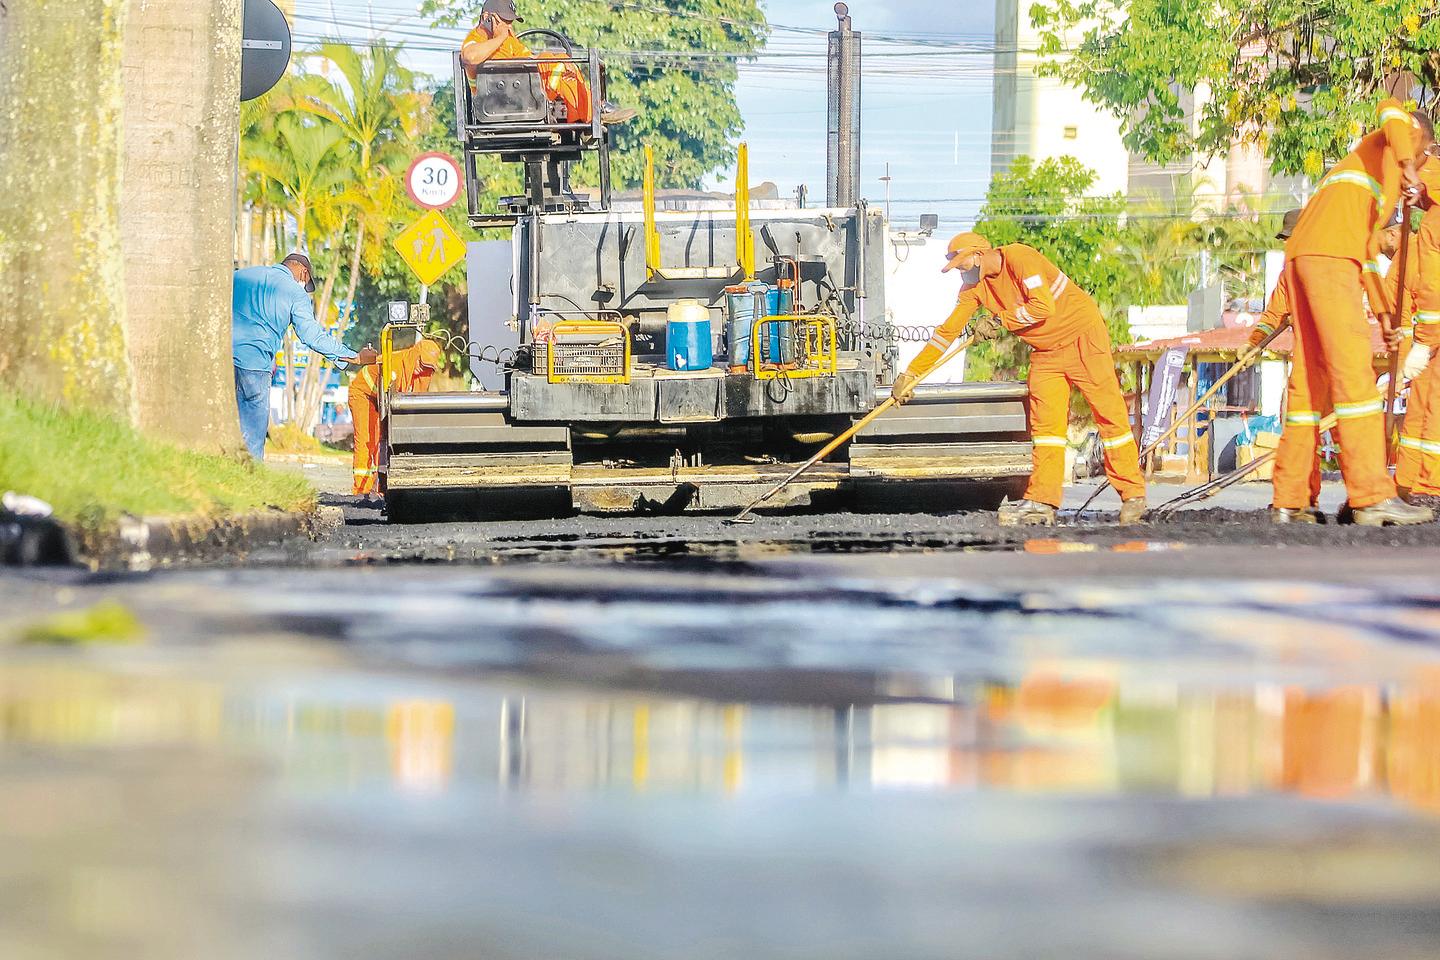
782	317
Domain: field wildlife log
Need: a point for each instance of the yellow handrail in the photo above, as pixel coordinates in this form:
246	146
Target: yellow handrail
821	358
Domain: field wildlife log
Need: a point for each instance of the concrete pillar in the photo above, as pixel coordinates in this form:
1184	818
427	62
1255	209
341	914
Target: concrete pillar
181	80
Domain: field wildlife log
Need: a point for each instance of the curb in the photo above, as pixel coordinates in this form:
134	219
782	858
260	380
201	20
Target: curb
140	544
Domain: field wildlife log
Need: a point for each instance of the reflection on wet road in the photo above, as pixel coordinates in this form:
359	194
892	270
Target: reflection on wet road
506	764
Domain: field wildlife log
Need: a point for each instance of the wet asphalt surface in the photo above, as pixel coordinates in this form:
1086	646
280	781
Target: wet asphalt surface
878	735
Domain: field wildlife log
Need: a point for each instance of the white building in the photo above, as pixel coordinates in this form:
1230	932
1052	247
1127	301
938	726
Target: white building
1041	117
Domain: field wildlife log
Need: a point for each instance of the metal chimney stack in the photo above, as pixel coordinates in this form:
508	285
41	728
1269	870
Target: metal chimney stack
843	159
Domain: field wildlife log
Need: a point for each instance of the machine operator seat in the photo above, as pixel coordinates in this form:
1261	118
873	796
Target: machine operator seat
506	112
506	108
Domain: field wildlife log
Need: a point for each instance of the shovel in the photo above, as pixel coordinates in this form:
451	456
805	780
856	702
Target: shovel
744	515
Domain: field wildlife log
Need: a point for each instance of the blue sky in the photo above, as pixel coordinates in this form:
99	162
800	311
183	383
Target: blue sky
926	106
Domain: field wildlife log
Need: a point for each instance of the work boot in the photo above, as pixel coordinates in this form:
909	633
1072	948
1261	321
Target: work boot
1296	515
1392	512
1132	511
1422	500
1026	513
611	115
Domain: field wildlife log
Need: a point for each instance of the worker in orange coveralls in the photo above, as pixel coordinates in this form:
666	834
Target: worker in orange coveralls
1327	280
411	371
494	39
1070	347
1417	473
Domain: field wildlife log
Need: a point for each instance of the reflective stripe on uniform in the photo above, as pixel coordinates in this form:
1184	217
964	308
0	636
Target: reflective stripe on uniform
1049	441
1430	448
1390	114
1302	418
1354	411
1427	316
1058	287
1023	315
368	377
1356	178
1372	267
1264	327
1117	442
939	341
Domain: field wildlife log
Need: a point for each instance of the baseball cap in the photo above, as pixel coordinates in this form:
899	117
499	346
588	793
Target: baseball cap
962	243
1292	218
304	261
504	9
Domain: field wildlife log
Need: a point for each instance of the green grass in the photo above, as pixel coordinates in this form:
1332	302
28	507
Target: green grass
92	469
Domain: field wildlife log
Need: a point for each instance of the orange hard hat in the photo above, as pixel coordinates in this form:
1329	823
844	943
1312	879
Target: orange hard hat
961	244
430	354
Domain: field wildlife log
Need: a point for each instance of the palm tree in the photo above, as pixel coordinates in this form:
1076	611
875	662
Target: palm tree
306	163
373	105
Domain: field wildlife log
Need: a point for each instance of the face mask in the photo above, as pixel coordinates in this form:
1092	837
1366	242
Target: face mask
970	278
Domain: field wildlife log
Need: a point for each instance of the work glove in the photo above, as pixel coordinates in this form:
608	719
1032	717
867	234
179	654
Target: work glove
1258	335
904	387
1415	362
985	328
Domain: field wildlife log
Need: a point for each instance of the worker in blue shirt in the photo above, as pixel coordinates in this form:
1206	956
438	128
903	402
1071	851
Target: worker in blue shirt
266	302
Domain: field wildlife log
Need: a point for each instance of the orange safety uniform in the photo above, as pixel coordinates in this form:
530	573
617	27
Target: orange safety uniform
1071	347
1327	273
1277	310
1419	461
411	372
562	81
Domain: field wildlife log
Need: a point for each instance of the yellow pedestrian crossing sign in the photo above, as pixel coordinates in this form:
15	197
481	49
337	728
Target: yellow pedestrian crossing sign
430	246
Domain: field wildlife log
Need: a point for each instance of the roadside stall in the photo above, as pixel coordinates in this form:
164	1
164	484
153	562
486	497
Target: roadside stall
1242	421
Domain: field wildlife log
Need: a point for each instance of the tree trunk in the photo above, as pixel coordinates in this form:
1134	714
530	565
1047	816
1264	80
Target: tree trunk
182	88
63	325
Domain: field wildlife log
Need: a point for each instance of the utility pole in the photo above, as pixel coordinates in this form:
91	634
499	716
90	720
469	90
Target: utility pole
843	155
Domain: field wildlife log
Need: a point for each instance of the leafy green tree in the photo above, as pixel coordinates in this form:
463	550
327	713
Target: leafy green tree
675	62
1045	206
1299	78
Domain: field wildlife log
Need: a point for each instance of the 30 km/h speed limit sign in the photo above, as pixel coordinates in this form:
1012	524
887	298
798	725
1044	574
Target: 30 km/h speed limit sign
434	181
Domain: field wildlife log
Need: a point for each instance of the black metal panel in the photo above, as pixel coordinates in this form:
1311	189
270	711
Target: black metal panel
508	92
534	399
690	400
848	392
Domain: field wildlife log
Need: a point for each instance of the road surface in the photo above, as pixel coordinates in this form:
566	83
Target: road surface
843	737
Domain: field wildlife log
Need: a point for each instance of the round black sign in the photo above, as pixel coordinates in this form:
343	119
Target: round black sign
264	48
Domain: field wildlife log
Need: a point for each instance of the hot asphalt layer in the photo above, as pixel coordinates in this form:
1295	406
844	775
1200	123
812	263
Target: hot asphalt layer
1235	518
366	537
